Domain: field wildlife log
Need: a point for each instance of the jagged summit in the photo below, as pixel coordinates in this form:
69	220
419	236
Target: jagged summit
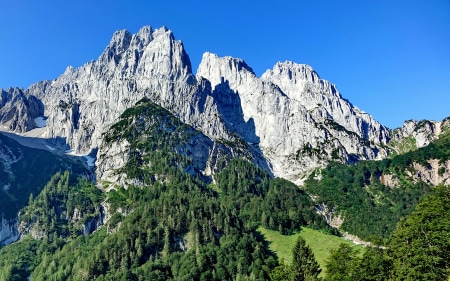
291	119
295	71
210	60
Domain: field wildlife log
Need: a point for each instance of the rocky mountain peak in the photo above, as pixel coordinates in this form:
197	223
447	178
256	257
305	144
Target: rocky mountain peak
295	72
290	119
18	110
83	101
301	82
215	68
120	41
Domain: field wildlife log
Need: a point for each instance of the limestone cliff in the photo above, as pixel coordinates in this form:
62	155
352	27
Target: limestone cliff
416	134
291	119
18	110
298	120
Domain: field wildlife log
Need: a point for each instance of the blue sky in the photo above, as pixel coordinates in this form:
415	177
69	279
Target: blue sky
389	58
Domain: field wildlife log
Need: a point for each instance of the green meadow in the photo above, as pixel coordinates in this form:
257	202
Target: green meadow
320	243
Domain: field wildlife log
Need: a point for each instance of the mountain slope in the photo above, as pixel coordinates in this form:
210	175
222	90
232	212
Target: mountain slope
370	197
170	224
147	137
23	172
298	120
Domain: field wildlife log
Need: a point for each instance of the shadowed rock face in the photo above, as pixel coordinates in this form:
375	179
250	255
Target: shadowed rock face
18	110
291	119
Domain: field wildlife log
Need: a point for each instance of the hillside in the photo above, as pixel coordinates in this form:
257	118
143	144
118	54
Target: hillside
168	222
164	216
370	197
23	173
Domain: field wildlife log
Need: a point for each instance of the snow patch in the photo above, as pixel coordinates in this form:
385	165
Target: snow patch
40	121
90	160
49	147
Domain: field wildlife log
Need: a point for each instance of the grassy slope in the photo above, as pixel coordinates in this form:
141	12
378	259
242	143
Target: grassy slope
320	243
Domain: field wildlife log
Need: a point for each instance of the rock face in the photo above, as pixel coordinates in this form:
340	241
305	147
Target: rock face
8	231
289	117
417	134
298	120
436	173
18	110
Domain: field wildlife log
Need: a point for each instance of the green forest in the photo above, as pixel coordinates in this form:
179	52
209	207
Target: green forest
369	207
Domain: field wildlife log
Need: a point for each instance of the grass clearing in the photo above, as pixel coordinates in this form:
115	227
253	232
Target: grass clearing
320	243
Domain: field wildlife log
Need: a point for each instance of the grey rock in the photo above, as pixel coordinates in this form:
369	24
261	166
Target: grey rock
8	231
421	133
296	118
292	120
18	110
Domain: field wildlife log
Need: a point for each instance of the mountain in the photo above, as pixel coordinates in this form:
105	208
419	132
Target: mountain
416	134
291	119
18	110
187	167
168	220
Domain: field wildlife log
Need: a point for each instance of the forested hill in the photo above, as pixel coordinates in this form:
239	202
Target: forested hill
369	198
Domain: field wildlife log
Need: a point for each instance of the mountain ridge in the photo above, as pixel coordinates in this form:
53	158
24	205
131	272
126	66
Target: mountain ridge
289	116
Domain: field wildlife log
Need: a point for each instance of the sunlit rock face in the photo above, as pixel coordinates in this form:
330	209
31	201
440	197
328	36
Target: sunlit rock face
299	120
420	133
290	119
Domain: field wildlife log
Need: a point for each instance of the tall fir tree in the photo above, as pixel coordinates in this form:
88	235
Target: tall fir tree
304	265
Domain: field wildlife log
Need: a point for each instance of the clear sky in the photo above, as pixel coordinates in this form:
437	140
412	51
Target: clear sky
391	58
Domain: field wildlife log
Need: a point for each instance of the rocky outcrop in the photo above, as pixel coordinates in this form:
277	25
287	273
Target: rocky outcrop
416	134
18	110
389	180
435	173
8	231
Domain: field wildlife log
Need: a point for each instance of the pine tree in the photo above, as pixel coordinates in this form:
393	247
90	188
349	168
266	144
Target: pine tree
304	265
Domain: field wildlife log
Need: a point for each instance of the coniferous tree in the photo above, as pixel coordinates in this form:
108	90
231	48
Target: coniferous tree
281	272
421	243
341	263
375	265
304	264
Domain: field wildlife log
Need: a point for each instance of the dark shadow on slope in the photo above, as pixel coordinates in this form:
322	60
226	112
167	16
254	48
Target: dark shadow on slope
26	170
230	109
57	146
